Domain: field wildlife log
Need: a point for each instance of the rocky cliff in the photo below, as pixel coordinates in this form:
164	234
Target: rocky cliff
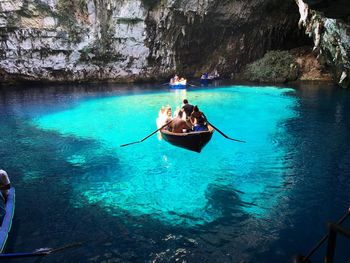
127	40
331	35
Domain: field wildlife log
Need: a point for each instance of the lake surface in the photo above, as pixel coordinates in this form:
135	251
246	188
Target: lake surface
260	201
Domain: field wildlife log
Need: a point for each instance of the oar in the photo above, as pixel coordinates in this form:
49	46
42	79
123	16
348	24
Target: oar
223	134
123	145
192	85
305	259
167	83
39	252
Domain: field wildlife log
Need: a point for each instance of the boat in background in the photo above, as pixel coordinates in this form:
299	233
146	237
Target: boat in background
206	81
193	141
182	84
7	221
178	83
208	78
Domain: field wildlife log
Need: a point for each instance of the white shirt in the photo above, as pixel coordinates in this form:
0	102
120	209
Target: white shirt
4	180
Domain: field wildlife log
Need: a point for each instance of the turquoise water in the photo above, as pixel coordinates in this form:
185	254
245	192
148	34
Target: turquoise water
172	184
260	201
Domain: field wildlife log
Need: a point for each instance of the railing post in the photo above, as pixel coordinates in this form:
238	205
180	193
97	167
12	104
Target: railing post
332	236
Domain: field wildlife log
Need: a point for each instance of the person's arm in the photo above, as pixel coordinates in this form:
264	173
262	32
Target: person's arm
192	120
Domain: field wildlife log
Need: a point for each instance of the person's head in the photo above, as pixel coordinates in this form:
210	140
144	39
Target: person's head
195	108
185	101
180	114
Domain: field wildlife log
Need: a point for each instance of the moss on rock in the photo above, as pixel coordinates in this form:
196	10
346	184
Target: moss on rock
275	66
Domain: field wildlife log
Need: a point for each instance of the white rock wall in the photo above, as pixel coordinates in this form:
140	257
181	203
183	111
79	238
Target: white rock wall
41	47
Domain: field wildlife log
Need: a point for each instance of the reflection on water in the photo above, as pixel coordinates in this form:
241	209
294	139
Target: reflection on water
172	184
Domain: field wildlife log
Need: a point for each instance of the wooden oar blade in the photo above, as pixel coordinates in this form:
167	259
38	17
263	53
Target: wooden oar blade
236	140
223	134
130	143
127	144
39	252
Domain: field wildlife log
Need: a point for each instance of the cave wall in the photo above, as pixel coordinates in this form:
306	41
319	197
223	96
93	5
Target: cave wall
127	40
331	35
222	35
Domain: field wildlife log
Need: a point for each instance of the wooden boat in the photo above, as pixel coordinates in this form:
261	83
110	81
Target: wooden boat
7	221
178	84
206	81
193	141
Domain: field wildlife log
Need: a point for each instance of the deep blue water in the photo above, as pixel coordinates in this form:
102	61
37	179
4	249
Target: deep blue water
262	201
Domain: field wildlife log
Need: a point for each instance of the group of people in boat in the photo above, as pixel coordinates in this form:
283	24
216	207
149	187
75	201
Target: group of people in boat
188	118
211	76
176	80
4	192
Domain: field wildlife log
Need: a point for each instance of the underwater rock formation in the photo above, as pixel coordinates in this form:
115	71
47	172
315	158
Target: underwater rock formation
331	36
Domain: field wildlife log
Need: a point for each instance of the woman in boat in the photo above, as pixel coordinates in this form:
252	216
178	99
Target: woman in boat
198	120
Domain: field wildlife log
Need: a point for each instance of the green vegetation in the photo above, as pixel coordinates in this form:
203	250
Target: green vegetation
275	66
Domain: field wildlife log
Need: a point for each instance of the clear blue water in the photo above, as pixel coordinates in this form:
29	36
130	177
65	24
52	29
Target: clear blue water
262	201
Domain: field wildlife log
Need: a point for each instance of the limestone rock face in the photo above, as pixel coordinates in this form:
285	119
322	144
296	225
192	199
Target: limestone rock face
118	40
331	37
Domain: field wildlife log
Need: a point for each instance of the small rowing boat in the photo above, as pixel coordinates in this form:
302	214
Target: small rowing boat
193	141
7	221
180	84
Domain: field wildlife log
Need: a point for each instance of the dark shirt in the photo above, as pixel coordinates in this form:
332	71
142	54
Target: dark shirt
188	108
198	116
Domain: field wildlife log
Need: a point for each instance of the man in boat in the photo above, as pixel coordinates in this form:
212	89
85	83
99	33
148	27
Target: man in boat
198	120
179	125
187	108
4	184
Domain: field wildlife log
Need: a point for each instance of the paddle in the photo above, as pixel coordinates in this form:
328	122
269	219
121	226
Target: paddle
223	134
39	252
130	143
305	258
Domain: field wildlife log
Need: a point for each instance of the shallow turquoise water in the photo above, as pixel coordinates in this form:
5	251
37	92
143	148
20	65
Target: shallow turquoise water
171	184
261	201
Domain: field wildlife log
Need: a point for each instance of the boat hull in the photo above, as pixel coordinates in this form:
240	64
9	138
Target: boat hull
206	81
7	221
178	86
193	141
